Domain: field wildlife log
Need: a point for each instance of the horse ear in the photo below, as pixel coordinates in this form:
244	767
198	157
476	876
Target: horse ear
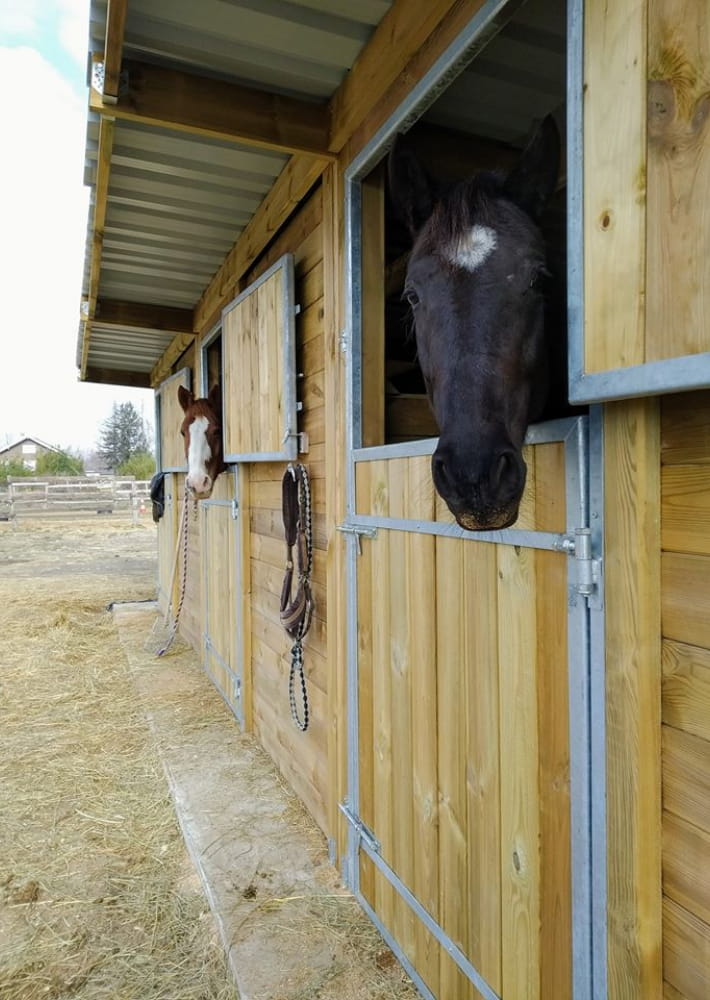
411	188
531	183
185	398
214	398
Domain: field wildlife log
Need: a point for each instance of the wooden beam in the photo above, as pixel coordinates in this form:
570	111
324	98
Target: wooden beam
397	39
168	98
162	367
290	187
140	315
117	376
113	48
103	170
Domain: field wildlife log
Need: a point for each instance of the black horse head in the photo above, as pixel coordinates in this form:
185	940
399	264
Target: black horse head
474	283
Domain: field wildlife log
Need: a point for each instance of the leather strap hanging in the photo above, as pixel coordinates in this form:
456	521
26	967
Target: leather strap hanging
297	608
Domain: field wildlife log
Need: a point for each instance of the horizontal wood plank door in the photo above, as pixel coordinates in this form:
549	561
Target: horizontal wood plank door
463	731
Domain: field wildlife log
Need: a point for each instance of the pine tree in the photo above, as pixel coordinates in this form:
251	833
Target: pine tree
121	435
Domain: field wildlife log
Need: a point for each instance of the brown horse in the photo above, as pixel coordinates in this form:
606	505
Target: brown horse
202	430
475	287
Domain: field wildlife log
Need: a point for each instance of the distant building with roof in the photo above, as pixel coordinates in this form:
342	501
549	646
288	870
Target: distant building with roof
26	450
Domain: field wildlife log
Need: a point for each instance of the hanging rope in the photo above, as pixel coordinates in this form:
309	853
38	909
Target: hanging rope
182	533
297	608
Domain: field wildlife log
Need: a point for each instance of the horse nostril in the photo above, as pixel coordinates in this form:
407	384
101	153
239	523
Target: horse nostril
505	473
439	470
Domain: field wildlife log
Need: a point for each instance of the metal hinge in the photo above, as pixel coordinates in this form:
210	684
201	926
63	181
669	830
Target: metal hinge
358	530
235	509
588	583
343	341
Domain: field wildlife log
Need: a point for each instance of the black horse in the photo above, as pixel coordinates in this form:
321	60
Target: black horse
475	281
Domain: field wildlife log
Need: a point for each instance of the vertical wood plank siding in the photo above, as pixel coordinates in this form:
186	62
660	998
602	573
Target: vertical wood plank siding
647	172
301	757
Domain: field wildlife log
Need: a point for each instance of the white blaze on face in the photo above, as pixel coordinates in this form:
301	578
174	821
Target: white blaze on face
473	248
198	455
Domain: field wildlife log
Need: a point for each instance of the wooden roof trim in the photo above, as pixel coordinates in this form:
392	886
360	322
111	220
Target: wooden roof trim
113	48
168	98
177	347
397	39
103	171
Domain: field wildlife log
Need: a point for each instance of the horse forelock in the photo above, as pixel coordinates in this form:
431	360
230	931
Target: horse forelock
202	408
468	219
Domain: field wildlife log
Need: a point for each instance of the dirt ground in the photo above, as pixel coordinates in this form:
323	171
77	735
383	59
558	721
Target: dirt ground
98	896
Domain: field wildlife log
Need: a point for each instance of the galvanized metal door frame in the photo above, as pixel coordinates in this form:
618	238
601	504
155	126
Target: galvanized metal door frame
234	670
583	445
581	437
205	344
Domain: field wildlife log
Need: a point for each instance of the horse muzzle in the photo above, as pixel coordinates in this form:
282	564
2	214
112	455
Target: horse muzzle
483	493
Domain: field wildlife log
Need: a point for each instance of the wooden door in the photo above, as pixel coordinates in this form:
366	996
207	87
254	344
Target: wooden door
463	742
221	635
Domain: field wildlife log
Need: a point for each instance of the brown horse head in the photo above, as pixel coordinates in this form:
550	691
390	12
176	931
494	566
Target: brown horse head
202	431
474	284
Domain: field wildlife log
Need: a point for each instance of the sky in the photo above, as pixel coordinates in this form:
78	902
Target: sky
43	212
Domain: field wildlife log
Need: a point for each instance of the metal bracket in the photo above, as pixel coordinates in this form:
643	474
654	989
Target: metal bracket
301	437
235	509
589	569
343	341
363	832
358	531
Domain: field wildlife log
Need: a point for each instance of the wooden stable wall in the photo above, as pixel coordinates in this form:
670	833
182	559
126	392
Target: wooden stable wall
301	757
685	593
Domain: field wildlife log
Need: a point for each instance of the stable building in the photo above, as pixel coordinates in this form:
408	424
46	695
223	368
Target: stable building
508	750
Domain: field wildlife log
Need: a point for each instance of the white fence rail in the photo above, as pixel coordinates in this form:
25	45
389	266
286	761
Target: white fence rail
101	495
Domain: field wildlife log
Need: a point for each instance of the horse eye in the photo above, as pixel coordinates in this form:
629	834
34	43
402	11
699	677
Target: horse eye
411	296
537	278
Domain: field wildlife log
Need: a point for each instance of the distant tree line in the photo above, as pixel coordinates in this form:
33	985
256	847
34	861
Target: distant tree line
123	450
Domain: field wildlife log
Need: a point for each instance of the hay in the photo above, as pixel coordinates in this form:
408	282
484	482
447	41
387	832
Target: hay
97	898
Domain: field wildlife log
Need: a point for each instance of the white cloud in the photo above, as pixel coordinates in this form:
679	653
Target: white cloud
18	18
43	207
73	31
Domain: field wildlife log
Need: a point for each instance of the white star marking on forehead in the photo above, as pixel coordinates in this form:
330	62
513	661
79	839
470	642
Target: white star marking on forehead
473	248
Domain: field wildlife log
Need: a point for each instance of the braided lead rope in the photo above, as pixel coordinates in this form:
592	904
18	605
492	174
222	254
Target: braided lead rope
298	614
183	583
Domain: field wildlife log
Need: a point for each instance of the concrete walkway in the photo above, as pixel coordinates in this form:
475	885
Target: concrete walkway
290	931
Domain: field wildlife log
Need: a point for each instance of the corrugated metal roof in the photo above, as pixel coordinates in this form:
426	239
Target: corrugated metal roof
177	202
